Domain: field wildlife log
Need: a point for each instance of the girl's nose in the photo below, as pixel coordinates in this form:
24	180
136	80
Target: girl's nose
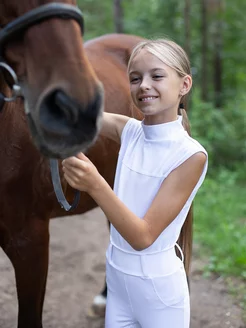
145	85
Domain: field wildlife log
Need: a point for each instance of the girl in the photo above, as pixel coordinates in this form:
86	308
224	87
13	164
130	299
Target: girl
160	168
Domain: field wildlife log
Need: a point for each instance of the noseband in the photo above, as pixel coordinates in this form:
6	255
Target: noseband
20	25
16	29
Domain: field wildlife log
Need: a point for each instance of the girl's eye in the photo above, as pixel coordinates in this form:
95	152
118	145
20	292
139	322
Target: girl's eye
134	79
157	76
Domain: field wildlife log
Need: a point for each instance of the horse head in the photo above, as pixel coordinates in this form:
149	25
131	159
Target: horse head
42	43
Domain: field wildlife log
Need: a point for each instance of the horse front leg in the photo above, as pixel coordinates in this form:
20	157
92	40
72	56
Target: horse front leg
29	252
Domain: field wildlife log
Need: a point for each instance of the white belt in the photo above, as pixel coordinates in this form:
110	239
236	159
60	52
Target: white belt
162	263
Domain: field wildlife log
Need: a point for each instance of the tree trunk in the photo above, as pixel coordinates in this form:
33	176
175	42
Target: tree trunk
187	10
204	50
118	16
217	60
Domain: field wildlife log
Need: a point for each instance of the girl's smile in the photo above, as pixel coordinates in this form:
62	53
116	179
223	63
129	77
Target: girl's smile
147	98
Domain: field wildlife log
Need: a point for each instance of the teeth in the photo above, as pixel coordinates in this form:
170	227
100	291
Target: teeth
148	98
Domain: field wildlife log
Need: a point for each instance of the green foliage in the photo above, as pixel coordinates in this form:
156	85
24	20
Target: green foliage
234	42
98	17
151	19
158	18
220	224
222	132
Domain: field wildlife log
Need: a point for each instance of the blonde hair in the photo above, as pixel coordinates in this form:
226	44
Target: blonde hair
171	54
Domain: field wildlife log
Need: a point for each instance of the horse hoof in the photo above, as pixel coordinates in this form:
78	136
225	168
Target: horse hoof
99	305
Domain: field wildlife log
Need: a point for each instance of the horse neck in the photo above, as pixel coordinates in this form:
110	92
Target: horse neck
3	85
6	92
14	133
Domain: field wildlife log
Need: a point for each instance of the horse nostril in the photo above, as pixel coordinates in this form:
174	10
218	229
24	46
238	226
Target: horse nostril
66	107
58	113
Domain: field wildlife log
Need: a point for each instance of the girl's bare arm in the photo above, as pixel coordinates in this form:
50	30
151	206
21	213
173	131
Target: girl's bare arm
170	199
112	125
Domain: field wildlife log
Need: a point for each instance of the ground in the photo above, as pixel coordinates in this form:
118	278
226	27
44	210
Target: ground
76	275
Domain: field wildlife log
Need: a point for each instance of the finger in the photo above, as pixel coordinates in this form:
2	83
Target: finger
83	157
73	171
73	162
72	180
69	161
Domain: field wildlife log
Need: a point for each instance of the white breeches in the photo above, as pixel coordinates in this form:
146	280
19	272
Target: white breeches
146	291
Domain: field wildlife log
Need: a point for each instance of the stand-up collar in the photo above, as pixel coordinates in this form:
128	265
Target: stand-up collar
164	130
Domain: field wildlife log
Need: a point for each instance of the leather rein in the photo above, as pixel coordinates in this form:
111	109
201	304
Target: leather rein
17	28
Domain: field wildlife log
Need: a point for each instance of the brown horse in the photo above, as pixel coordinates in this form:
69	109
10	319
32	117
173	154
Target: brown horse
60	78
63	96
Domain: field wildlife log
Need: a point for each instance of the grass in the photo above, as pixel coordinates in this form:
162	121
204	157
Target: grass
220	224
220	230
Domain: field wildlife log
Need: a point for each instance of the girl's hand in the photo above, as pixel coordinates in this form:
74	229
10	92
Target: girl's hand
81	173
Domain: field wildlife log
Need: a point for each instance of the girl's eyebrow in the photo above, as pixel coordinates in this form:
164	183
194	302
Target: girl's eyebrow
157	69
152	70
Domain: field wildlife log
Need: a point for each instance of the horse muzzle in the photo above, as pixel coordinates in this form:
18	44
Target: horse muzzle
61	126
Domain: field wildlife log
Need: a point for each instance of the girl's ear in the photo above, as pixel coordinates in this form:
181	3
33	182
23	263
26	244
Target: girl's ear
186	85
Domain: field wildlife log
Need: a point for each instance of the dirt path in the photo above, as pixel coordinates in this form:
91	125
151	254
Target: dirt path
76	275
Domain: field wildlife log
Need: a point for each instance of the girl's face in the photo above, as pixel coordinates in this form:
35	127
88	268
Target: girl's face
156	88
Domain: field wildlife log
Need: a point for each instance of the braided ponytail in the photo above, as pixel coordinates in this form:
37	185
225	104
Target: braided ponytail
186	234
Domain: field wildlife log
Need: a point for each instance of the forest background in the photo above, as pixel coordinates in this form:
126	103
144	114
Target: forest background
213	34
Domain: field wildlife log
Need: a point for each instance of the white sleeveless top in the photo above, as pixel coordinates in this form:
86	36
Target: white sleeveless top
147	155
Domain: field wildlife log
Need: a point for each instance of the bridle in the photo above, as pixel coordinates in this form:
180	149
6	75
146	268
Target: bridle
20	25
15	29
